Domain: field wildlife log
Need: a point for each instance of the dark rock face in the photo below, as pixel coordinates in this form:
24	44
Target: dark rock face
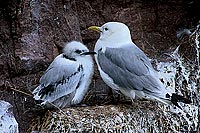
32	34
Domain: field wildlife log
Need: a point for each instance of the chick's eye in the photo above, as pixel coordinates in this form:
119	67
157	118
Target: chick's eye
105	29
78	51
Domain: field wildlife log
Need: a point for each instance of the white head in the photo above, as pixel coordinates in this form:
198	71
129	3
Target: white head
76	49
113	32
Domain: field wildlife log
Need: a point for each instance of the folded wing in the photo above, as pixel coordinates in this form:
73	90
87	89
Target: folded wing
130	68
61	78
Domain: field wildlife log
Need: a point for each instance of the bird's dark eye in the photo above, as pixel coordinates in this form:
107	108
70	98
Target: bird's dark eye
78	51
105	29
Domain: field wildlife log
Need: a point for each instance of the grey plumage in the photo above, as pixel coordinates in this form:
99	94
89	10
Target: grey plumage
125	67
67	79
134	73
59	81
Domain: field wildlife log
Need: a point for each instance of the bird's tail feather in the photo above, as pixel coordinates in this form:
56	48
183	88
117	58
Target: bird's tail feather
161	100
175	98
35	93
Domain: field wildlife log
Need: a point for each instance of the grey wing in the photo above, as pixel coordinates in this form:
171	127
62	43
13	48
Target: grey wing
128	67
129	58
61	78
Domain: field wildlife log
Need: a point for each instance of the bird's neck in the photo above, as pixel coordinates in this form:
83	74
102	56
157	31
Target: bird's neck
114	40
101	44
84	60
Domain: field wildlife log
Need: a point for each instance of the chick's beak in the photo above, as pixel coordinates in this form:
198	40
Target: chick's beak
88	53
95	28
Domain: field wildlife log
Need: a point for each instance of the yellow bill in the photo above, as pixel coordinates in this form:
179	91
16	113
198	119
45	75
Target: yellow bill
95	28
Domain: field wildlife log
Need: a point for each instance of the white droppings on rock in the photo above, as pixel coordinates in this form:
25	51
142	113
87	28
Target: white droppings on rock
179	75
25	58
8	124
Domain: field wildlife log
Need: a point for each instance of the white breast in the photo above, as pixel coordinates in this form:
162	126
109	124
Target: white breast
88	71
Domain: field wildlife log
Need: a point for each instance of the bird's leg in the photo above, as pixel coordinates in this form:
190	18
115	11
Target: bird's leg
112	93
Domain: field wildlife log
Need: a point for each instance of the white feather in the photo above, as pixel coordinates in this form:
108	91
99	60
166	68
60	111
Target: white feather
69	77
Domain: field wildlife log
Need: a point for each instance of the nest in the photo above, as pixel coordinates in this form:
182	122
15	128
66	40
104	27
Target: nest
107	118
142	116
179	75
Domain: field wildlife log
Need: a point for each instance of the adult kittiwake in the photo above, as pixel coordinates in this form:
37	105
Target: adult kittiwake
125	67
68	77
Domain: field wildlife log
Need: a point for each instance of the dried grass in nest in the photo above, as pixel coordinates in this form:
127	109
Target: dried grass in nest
142	116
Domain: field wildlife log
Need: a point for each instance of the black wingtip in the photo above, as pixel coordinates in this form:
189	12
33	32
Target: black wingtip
175	98
38	101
